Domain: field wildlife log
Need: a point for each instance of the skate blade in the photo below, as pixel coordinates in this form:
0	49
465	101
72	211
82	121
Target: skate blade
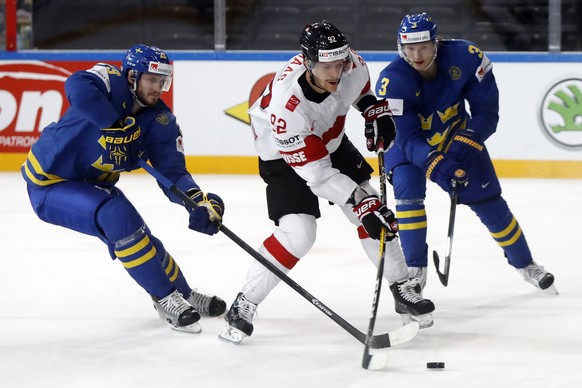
231	335
424	321
551	290
194	328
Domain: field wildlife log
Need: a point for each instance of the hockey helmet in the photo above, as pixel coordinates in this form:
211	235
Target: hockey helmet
147	59
323	42
417	28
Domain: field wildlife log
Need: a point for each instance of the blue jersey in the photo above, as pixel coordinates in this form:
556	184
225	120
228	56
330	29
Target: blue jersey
69	149
428	112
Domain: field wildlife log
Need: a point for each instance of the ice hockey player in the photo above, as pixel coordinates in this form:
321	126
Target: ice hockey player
437	137
117	116
304	154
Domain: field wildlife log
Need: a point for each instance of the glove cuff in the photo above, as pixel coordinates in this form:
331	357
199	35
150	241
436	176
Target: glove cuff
195	194
357	196
468	141
366	102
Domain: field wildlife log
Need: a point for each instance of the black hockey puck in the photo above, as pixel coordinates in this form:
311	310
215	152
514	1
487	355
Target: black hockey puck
435	365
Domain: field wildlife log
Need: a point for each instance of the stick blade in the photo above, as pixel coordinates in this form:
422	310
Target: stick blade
404	334
376	361
395	337
444	278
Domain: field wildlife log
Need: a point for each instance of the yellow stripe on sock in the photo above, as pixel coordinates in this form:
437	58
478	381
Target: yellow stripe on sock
140	260
505	231
134	248
412	226
411	213
511	240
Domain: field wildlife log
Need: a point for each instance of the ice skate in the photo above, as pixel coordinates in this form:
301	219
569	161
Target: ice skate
206	305
239	320
178	313
418	277
539	277
410	305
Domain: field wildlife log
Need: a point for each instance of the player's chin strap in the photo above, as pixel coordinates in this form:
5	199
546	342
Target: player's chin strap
133	88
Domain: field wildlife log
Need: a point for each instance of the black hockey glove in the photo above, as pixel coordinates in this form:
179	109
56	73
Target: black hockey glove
121	144
207	216
379	130
466	148
374	215
443	170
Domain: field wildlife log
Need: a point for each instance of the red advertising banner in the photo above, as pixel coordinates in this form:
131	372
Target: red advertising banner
32	96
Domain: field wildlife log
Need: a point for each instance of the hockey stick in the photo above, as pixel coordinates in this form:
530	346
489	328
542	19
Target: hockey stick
444	276
378	361
395	337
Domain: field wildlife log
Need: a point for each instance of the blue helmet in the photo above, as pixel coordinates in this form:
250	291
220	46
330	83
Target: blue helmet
417	28
147	59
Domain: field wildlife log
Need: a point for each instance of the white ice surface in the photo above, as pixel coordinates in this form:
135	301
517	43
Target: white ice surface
72	317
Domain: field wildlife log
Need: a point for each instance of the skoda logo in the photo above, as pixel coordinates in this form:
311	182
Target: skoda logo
560	113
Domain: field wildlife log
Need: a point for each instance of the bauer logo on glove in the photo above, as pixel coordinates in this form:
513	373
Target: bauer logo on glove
375	111
379	128
121	143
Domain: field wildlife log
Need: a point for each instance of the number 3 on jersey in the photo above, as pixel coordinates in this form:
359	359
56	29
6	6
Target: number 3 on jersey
278	126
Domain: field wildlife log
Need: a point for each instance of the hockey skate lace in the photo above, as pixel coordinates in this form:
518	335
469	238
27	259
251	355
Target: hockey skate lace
246	309
406	290
174	304
536	272
418	276
201	302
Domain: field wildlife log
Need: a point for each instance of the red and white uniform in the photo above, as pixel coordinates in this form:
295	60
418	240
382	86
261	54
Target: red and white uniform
287	125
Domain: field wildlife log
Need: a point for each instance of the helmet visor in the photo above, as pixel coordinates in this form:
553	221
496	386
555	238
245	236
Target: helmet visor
163	69
332	63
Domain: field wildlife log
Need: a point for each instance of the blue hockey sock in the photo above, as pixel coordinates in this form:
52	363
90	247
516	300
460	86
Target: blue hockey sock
142	261
172	269
505	230
411	215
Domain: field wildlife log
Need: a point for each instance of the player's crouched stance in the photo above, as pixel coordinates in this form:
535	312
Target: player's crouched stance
304	154
116	117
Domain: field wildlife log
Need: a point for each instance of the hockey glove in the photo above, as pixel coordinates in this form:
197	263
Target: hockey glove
374	215
121	144
466	148
443	170
379	130
207	216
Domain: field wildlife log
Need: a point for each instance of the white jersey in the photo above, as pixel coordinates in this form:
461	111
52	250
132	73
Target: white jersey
287	125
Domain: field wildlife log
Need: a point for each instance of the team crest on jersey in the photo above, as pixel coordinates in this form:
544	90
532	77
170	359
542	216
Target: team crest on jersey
292	103
455	73
163	119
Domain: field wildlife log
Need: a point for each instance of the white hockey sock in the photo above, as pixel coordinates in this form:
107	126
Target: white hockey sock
260	281
395	269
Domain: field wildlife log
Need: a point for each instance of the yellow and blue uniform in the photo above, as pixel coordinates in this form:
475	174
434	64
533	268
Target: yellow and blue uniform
428	114
70	184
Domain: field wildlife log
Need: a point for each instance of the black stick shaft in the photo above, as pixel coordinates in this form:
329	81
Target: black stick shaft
367	357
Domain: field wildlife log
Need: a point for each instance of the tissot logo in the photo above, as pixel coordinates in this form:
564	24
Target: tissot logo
560	113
